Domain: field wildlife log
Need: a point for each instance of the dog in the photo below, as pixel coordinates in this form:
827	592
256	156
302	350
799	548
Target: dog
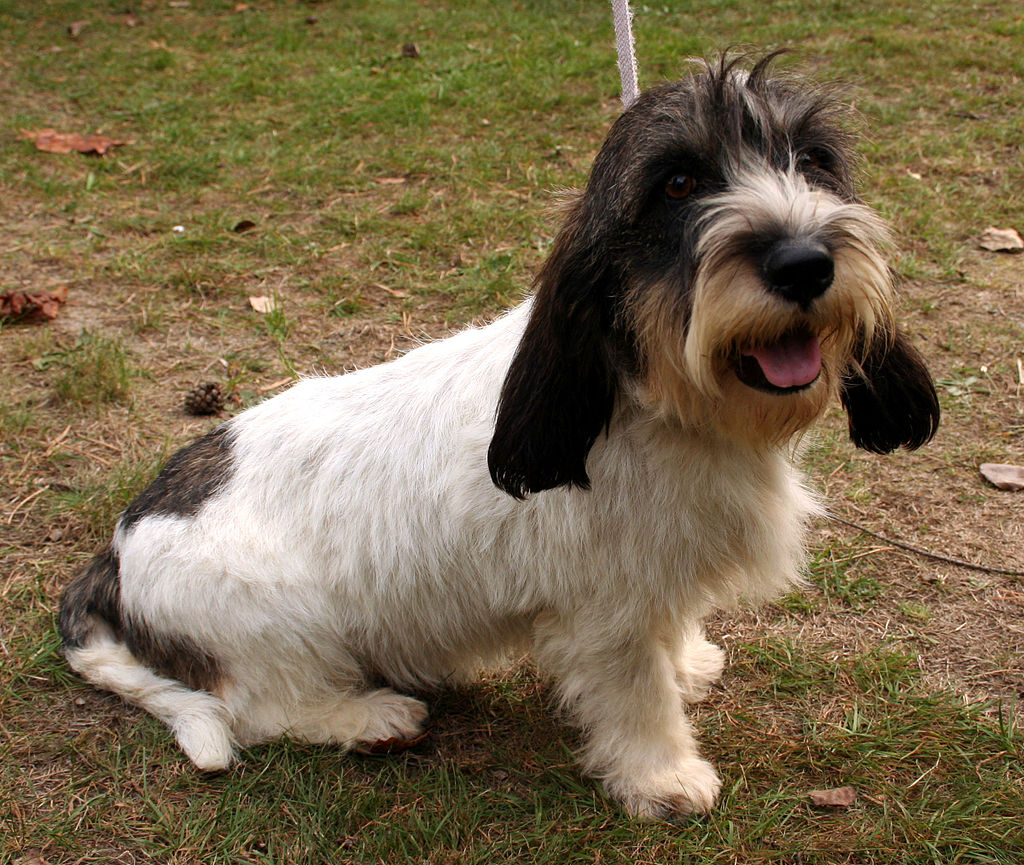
587	477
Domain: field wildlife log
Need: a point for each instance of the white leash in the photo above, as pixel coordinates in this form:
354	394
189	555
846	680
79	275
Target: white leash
626	49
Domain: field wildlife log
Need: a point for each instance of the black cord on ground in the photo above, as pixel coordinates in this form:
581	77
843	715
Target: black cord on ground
960	563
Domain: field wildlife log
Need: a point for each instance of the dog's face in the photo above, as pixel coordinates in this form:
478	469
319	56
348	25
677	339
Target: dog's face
720	266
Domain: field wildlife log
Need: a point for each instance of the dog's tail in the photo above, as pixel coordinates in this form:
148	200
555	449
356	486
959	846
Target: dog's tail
98	646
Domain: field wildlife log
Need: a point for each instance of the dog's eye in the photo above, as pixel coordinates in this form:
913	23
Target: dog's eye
812	160
679	186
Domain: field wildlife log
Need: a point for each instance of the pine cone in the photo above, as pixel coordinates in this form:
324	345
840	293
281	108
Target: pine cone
204	399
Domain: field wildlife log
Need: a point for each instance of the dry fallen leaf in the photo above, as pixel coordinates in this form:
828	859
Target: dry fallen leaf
243	226
39	305
262	303
52	141
1004	477
840	797
1001	240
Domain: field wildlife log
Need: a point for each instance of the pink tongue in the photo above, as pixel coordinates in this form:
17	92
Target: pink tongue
793	361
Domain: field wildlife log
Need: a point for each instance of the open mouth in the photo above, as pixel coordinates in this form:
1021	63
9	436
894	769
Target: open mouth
788	365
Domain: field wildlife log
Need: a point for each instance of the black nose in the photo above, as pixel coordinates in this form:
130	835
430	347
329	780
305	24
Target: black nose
799	270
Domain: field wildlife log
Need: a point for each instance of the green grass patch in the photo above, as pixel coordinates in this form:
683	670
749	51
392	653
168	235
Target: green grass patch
95	370
842	580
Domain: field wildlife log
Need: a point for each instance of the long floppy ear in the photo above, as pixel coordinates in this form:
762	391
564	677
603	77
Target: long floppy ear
559	391
890	399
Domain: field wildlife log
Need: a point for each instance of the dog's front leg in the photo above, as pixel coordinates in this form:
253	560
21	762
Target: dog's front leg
698	663
622	690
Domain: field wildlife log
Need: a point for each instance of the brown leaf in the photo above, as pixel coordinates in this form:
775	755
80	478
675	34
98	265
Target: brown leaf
1001	240
39	305
243	226
75	28
262	303
839	797
1004	477
52	141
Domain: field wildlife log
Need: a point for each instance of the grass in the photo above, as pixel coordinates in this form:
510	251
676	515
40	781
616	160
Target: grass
923	795
97	498
95	370
390	199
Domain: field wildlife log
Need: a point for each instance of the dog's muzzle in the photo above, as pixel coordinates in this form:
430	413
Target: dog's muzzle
798	270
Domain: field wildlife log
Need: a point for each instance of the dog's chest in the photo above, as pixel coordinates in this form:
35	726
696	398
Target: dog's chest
687	516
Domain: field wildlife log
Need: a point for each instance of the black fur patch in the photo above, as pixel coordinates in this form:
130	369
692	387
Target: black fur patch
891	400
173	656
95	596
190	477
559	391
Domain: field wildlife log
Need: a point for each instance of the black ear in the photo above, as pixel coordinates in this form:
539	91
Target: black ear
559	391
890	399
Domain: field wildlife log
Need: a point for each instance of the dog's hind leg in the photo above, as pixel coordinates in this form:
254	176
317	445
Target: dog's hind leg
200	721
155	673
354	719
622	690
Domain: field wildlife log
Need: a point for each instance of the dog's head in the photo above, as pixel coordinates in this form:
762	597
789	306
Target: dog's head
720	268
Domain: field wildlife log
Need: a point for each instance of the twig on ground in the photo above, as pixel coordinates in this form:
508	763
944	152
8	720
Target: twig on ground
927	553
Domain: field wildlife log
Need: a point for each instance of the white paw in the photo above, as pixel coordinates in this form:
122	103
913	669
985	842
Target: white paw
700	666
206	740
393	716
690	787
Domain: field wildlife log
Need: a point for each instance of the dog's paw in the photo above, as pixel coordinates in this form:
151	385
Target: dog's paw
690	787
392	718
206	740
700	666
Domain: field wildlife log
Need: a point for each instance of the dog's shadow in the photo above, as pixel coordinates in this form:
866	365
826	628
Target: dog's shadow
501	739
509	718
